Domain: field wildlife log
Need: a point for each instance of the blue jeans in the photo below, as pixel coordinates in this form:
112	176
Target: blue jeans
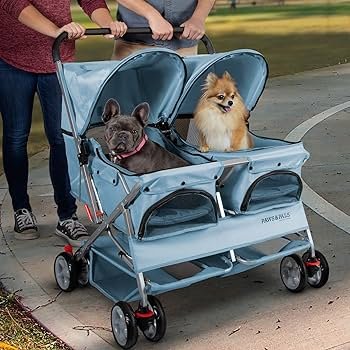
17	90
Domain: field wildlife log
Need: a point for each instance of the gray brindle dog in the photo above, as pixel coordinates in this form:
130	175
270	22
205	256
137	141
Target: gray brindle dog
128	143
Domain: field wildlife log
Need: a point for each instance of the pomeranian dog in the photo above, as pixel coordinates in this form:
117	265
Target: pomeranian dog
221	116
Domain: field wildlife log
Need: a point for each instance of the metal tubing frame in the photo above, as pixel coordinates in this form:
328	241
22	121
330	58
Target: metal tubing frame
312	245
123	182
127	218
77	138
232	255
136	31
123	254
91	190
141	285
94	200
98	201
122	206
230	163
309	238
220	205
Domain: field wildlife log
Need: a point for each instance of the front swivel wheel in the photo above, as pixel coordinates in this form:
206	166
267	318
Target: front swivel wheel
124	326
154	328
317	269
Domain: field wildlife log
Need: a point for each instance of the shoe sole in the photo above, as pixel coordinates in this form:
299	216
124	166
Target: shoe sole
27	235
72	242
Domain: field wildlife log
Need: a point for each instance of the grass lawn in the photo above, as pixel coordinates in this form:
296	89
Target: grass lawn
293	38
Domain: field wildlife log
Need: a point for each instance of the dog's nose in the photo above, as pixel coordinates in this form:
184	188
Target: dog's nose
230	103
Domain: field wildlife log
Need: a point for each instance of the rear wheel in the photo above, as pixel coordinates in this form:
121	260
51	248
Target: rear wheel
124	327
293	273
317	269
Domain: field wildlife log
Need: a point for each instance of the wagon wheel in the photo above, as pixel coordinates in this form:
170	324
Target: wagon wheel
124	327
154	329
66	271
317	269
293	273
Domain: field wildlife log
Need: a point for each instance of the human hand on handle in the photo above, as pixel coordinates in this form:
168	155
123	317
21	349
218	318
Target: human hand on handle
74	31
118	29
194	29
161	28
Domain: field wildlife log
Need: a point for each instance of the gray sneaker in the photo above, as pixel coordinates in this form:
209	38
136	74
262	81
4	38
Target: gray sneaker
25	225
72	231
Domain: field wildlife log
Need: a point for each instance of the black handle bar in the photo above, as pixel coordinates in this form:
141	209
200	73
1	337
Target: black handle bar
104	31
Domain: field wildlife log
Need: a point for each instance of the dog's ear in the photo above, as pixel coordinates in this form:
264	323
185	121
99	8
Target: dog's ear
227	75
211	79
111	109
141	112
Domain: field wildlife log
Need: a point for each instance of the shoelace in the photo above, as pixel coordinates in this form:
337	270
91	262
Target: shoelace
75	228
25	218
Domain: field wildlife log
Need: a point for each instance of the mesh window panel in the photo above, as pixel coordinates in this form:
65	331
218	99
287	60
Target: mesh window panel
179	212
271	190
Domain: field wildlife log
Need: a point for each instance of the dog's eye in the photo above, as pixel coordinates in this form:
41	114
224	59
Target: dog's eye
221	97
134	132
233	96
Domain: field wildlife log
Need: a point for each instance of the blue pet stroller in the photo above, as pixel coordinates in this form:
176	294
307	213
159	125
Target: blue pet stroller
169	229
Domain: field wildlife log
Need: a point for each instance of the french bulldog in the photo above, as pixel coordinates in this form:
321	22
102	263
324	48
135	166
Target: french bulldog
128	143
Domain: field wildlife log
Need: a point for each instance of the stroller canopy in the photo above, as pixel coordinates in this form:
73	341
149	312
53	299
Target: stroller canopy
170	84
153	76
248	68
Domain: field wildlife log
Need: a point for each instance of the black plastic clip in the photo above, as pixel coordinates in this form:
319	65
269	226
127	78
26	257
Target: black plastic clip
83	156
164	127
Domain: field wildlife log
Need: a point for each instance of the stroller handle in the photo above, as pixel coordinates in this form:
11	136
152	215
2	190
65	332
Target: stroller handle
104	31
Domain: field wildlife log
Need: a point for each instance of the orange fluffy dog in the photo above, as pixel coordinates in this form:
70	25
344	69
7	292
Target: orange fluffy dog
221	116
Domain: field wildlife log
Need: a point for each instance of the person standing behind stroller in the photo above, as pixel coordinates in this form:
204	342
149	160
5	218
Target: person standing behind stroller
161	16
27	31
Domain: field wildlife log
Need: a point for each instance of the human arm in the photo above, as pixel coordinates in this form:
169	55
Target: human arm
194	28
27	14
103	19
33	19
161	28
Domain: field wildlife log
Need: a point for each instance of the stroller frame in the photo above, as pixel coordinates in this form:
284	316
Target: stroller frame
231	256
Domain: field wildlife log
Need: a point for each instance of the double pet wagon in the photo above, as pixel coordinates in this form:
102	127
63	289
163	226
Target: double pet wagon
169	229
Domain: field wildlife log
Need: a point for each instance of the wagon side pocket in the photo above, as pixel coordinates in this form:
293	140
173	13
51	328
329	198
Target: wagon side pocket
181	211
275	189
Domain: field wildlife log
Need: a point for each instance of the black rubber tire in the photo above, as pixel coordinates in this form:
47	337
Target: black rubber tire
65	270
129	338
322	279
83	273
158	324
294	261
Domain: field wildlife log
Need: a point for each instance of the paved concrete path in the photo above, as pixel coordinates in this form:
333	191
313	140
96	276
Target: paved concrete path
247	311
